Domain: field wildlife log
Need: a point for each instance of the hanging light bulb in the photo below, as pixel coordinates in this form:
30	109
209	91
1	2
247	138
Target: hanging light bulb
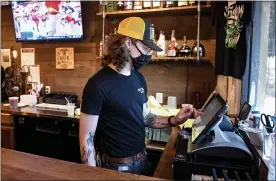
14	54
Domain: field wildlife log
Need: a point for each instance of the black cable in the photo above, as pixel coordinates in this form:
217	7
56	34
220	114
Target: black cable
214	173
237	176
225	174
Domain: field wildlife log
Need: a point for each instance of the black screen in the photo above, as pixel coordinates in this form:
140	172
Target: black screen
210	111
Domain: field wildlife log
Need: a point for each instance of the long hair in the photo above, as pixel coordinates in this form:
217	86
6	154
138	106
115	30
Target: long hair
116	52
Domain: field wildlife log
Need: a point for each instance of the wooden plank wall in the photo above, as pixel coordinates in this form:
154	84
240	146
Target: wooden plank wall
169	77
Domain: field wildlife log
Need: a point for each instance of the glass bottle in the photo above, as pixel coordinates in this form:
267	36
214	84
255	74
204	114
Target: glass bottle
182	3
162	44
172	48
138	5
156	4
192	2
128	5
147	4
201	50
185	50
120	5
169	4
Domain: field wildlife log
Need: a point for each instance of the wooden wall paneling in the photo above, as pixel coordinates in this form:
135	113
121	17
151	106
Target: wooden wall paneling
169	78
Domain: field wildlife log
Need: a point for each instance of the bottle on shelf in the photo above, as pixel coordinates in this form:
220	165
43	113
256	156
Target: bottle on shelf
185	50
172	50
181	3
170	3
111	6
138	5
101	49
128	5
115	31
192	2
201	50
120	5
162	44
147	4
156	4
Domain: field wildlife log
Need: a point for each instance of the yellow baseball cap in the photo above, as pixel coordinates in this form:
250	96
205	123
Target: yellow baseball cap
140	29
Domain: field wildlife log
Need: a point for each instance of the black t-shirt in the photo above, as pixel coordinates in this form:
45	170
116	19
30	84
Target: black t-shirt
231	19
118	100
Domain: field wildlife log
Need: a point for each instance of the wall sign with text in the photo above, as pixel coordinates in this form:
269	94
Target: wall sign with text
64	58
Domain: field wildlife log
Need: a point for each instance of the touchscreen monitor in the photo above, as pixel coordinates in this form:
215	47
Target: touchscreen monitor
214	109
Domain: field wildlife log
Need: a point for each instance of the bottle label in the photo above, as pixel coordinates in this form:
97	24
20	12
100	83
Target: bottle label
128	5
156	3
171	53
182	3
138	5
147	4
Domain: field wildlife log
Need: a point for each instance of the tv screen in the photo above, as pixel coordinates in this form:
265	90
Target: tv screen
47	20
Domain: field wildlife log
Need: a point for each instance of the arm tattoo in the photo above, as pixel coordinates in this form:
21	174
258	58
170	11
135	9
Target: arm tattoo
90	140
85	155
150	119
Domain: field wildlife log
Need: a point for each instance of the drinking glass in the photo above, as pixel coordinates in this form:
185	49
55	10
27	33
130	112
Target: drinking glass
13	102
269	139
70	109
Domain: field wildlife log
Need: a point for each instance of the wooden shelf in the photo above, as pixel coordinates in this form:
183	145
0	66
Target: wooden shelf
181	59
174	59
167	11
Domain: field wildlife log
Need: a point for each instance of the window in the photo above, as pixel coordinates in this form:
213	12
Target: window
262	67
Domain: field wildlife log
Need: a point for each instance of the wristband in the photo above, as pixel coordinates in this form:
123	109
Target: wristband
169	121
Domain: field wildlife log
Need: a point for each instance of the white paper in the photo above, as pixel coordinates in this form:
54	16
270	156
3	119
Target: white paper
35	73
5	58
27	56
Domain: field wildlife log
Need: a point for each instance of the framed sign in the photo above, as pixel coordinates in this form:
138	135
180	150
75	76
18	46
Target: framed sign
5	58
64	58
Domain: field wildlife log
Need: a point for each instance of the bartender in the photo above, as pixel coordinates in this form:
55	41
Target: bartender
115	102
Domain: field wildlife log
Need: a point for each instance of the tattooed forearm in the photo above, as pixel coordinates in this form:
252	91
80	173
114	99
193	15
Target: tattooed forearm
90	140
150	120
154	121
85	155
88	150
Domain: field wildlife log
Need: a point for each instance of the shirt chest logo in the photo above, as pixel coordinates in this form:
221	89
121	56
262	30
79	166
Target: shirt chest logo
141	90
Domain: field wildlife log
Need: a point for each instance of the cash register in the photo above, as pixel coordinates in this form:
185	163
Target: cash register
207	150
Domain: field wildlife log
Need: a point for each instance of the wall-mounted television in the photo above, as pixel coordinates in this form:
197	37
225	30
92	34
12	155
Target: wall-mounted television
47	20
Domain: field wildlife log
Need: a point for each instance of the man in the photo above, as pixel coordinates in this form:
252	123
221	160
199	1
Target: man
115	102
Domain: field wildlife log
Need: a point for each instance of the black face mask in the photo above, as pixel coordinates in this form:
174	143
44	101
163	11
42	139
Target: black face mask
140	61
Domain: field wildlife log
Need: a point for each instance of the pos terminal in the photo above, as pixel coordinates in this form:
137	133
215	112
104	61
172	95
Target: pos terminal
208	150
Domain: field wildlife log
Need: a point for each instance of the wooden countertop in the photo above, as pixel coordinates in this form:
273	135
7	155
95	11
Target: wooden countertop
23	166
164	168
34	111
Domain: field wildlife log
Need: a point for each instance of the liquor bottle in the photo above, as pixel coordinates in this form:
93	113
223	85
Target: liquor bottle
101	49
147	4
169	3
111	6
120	5
192	2
156	4
201	50
115	31
172	48
162	44
128	5
183	3
138	5
185	50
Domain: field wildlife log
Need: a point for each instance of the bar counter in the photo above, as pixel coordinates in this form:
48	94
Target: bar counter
23	166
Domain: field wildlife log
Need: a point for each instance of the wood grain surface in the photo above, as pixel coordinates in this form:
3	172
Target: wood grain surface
23	166
164	169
